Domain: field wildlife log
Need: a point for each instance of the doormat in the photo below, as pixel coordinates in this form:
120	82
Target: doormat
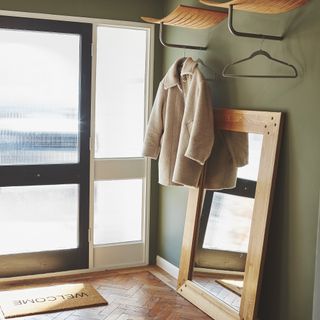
24	302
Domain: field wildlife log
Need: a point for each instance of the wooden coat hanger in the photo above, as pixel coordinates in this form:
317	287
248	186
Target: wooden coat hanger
254	54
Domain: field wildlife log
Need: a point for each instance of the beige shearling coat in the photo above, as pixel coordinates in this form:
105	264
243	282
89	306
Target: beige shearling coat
180	130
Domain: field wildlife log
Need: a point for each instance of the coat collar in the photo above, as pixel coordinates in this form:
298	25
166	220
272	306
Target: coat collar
172	78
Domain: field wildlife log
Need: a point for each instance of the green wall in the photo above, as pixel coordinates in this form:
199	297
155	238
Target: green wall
130	10
288	280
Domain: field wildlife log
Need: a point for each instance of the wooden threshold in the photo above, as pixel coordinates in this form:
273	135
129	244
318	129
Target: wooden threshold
7	284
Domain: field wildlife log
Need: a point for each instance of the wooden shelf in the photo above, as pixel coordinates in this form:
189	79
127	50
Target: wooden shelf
190	17
199	18
261	6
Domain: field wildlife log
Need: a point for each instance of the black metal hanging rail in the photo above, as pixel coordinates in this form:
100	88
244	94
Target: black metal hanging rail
248	34
175	45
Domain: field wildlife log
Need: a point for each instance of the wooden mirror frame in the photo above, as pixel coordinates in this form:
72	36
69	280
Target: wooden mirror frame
269	124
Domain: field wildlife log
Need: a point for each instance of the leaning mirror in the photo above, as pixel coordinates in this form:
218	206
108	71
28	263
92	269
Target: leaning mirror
228	216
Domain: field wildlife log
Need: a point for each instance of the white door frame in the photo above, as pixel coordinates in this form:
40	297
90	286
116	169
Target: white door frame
149	98
115	256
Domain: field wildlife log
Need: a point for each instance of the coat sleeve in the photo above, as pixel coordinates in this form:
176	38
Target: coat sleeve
201	129
151	146
238	146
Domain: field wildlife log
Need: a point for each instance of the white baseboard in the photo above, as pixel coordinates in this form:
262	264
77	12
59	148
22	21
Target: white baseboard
316	296
167	266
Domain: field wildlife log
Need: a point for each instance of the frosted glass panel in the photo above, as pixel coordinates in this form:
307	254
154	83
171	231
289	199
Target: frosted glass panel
38	218
117	211
39	97
229	223
120	92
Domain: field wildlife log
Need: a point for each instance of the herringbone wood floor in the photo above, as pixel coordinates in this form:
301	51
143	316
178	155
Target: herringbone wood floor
132	295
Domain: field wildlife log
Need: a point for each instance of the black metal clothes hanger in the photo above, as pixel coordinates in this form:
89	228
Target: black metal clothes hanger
226	74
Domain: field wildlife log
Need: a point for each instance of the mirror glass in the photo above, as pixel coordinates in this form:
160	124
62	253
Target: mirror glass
225	222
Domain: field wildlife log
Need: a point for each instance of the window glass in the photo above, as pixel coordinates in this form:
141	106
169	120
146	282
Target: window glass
38	218
120	92
39	97
118	211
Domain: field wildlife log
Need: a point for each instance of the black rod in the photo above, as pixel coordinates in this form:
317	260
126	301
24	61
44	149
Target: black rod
174	45
248	34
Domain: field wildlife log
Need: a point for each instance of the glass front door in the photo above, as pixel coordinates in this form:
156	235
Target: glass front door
45	85
120	172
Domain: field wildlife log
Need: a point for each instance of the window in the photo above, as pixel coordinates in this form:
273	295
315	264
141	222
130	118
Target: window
44	146
118	208
39	218
120	92
39	104
72	165
120	185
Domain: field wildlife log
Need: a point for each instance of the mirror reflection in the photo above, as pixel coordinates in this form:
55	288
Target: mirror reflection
223	236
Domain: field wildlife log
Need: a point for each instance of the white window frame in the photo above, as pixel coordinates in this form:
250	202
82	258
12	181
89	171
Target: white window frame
148	103
104	256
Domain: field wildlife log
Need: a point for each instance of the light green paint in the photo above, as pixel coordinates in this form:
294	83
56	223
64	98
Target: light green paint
172	210
130	10
289	274
288	280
